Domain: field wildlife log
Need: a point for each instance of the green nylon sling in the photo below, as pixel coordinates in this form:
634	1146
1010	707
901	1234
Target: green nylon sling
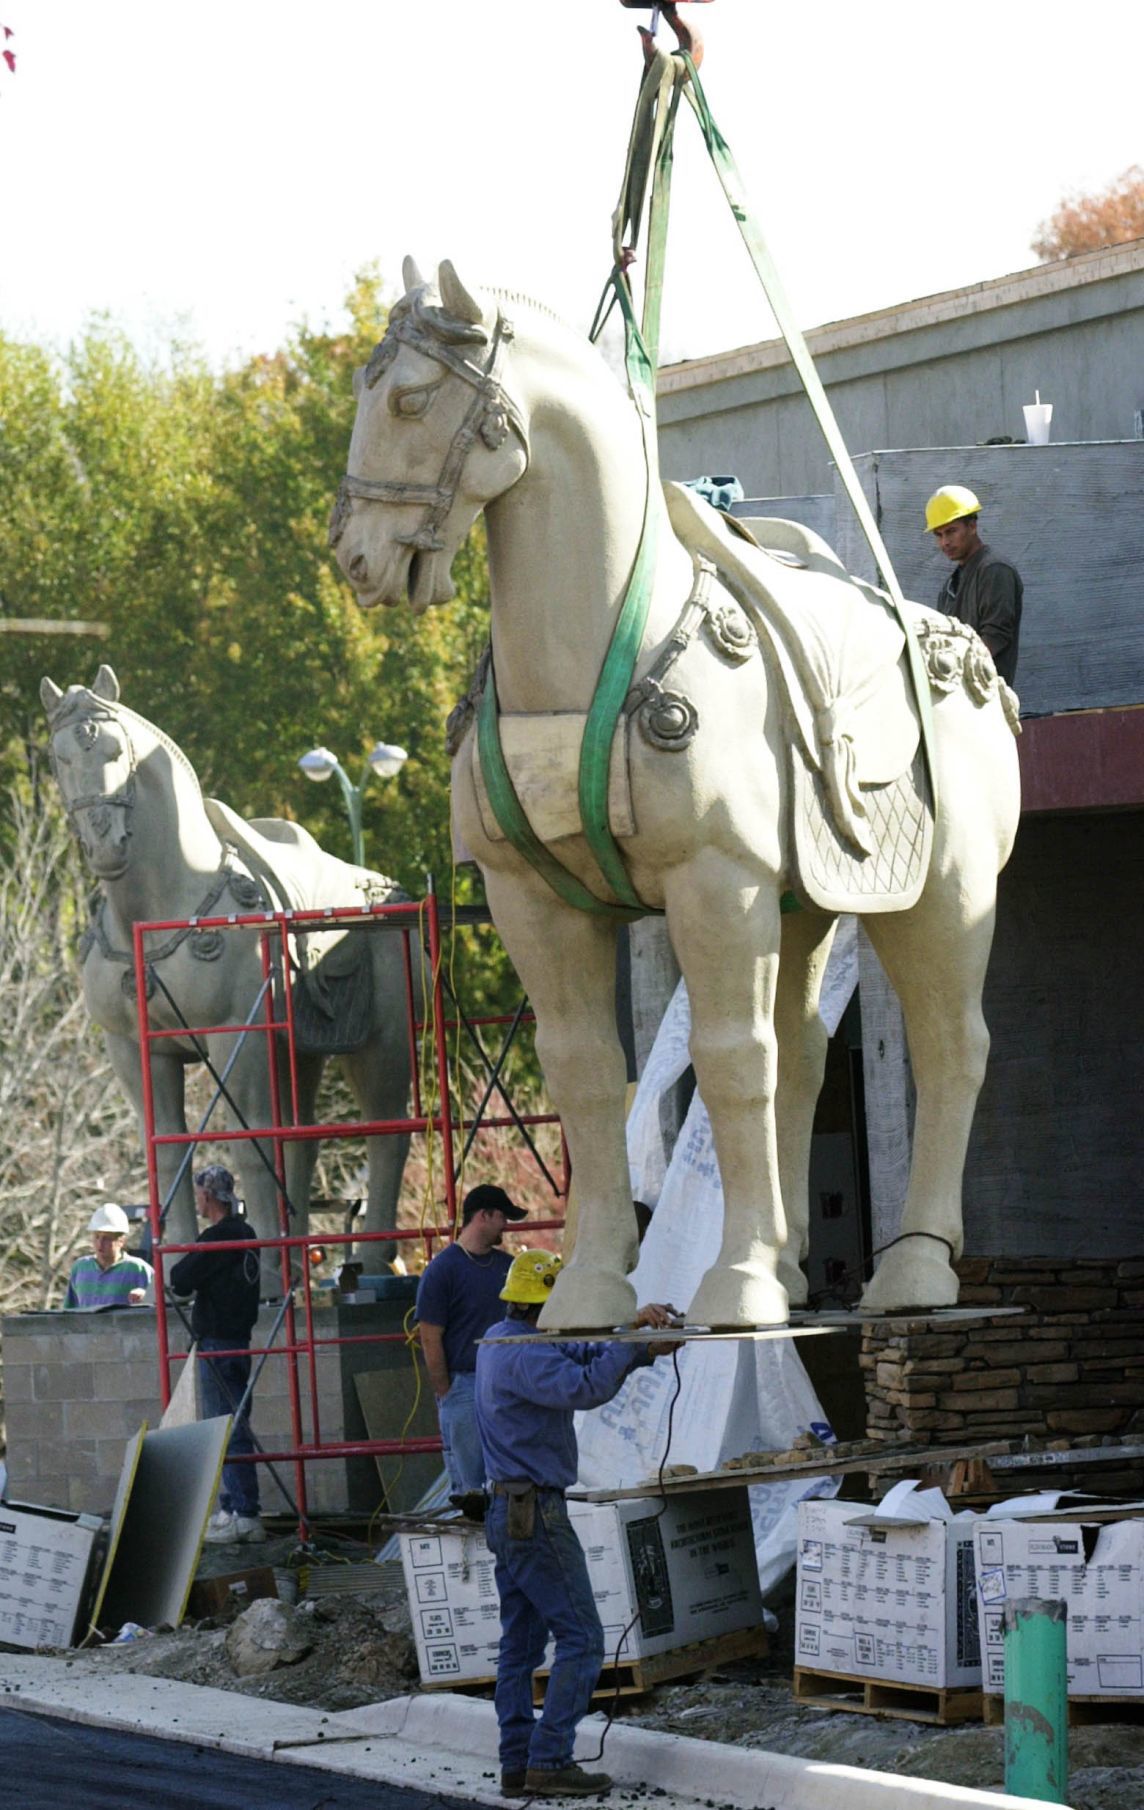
651	149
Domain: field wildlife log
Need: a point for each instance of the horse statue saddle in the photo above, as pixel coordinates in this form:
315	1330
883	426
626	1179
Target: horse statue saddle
333	1005
863	813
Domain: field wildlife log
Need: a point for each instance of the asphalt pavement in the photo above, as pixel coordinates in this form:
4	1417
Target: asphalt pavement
46	1763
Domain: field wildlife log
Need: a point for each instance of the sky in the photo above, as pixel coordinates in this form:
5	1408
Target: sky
218	172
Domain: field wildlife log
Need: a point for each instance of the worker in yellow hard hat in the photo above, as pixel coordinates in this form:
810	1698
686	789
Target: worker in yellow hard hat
983	589
528	1390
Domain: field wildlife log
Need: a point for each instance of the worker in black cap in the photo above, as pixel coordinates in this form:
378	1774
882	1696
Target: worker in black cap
457	1301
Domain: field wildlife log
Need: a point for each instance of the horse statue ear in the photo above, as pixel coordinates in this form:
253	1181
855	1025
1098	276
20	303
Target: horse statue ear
106	685
456	298
411	276
50	694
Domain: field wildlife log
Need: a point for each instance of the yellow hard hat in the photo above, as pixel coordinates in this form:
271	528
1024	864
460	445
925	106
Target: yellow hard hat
950	504
531	1277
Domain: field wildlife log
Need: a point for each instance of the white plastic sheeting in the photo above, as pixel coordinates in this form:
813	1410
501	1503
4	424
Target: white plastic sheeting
736	1396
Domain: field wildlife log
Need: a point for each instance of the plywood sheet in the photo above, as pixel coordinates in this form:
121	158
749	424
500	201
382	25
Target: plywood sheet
164	1520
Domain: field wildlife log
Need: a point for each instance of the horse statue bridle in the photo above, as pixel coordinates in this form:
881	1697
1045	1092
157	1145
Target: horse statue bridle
84	727
490	415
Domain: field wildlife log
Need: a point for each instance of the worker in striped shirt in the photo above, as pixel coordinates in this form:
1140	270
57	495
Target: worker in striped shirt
109	1277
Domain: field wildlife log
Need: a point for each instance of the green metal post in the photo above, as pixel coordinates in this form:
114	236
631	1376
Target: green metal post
1036	1700
352	796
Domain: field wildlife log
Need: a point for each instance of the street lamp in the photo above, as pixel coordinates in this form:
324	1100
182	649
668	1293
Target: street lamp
384	758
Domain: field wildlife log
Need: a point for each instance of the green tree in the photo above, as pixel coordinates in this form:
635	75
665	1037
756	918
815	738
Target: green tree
188	510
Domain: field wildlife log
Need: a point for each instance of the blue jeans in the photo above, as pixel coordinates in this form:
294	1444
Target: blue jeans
223	1383
464	1459
543	1587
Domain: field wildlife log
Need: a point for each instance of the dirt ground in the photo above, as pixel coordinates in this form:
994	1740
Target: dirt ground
358	1649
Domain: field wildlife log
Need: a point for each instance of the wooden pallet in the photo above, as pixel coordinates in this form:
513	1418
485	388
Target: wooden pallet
1082	1710
881	1697
634	1676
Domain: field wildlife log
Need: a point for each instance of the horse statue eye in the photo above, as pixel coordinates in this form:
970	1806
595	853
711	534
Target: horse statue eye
410	404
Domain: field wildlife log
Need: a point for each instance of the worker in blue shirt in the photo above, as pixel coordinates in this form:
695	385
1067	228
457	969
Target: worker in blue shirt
458	1298
526	1396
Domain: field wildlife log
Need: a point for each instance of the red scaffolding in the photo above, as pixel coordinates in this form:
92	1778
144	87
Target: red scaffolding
443	1117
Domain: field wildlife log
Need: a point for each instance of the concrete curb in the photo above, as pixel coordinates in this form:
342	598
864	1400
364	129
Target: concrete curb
447	1745
684	1767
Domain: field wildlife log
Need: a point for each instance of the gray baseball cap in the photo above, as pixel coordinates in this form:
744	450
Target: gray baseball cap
216	1180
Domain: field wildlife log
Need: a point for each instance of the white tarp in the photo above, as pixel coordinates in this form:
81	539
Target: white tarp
737	1395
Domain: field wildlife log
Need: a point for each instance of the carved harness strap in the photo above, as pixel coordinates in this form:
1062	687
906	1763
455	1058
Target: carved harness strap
490	415
85	731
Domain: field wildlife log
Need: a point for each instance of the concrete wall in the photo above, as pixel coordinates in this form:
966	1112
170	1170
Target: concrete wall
78	1385
949	370
1072	520
1057	1150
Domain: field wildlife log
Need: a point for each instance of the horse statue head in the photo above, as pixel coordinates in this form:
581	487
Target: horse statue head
438	435
95	767
113	766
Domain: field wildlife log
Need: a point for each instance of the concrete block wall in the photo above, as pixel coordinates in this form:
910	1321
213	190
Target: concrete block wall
78	1386
1069	518
944	370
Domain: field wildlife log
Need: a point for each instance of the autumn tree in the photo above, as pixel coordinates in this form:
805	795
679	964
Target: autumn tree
1111	216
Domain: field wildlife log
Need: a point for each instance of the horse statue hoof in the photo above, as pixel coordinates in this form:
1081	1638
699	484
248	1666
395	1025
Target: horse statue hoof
589	1300
914	1273
739	1294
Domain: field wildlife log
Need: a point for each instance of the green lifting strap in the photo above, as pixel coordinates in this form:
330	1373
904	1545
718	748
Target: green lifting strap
615	679
767	272
510	814
651	148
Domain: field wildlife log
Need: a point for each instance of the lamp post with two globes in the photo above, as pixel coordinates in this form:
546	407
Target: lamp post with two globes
385	759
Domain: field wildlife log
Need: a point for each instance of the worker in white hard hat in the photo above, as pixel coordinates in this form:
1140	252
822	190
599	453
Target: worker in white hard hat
527	1393
109	1277
983	590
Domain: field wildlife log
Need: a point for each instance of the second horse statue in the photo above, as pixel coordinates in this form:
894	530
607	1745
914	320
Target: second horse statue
162	851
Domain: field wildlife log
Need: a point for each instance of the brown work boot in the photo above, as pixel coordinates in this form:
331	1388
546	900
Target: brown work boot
565	1781
512	1782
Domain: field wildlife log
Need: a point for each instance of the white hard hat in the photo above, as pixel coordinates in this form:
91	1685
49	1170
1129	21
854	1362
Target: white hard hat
109	1218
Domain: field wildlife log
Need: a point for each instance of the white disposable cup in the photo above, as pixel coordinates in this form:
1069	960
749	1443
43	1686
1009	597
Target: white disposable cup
1037	418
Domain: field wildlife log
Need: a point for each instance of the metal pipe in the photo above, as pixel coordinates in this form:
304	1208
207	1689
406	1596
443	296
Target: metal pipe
1036	1699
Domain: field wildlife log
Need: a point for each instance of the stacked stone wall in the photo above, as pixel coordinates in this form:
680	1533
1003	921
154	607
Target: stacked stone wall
1067	1372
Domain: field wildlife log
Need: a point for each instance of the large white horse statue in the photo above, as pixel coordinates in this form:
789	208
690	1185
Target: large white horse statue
765	750
161	852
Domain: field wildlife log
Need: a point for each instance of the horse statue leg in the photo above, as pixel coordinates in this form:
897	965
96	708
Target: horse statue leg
168	1075
379	1074
935	957
807	937
725	927
249	1088
566	961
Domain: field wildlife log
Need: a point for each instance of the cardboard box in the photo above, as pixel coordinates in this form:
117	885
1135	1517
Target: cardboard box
888	1592
211	1595
682	1575
47	1559
1096	1569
